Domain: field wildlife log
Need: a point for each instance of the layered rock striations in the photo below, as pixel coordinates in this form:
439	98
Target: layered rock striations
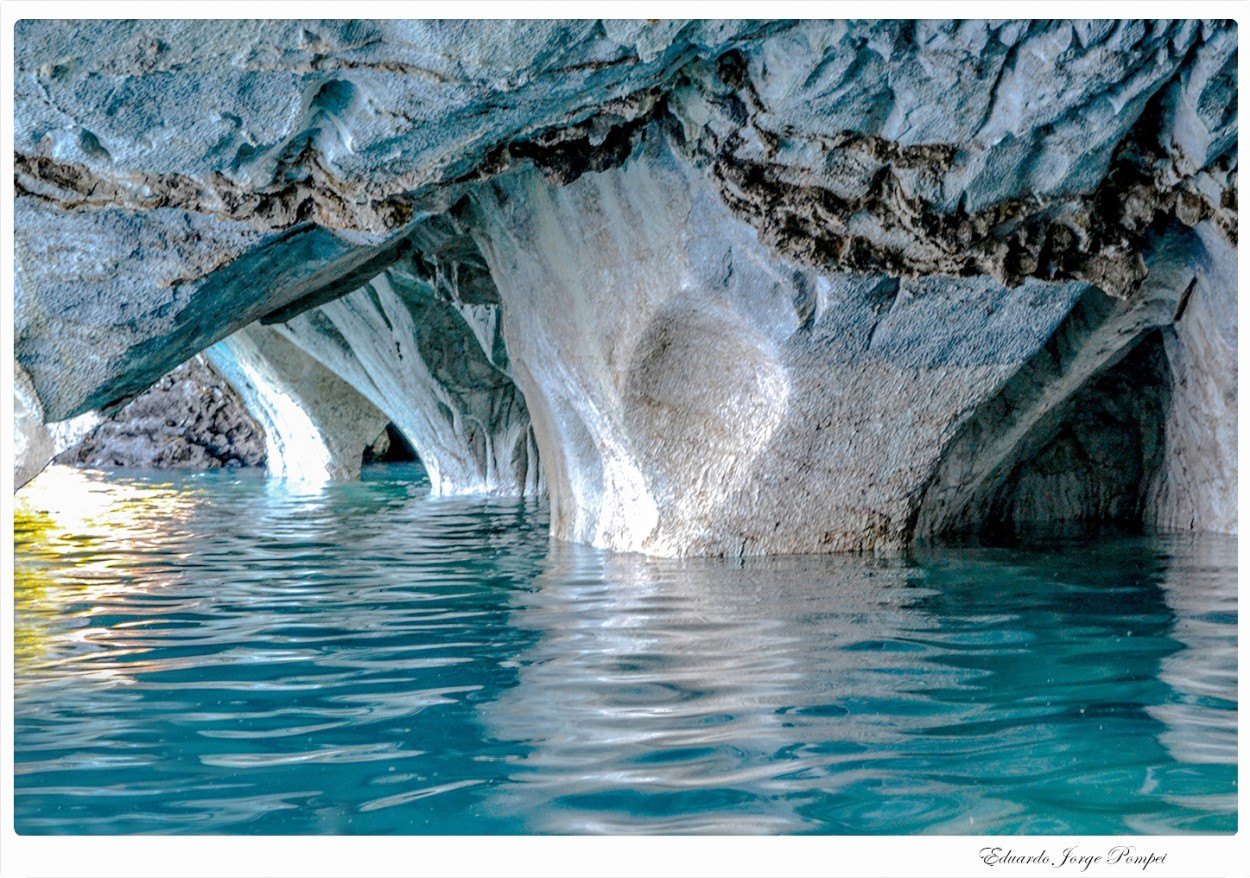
425	346
316	425
716	287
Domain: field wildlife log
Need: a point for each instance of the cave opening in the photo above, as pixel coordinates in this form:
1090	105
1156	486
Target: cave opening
1090	470
389	447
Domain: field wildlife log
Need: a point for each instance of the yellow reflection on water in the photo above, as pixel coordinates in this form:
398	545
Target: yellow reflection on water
30	585
78	536
84	503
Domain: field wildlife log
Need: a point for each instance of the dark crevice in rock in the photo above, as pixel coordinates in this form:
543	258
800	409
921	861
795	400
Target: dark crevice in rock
563	153
389	447
1093	474
1087	465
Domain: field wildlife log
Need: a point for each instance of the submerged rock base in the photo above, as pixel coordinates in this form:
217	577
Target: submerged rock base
714	287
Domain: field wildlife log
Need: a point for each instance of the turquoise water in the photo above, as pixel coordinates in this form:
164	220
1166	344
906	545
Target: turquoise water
225	653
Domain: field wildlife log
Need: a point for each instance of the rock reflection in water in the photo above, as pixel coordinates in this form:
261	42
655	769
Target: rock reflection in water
940	692
241	655
1200	713
654	678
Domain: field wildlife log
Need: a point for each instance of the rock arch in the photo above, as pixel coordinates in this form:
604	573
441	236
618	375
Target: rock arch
848	251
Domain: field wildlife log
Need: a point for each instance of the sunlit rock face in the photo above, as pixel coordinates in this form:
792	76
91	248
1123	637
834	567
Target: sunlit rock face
32	443
722	287
35	442
316	426
423	343
705	396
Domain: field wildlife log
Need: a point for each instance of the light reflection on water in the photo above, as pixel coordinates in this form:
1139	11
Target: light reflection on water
226	653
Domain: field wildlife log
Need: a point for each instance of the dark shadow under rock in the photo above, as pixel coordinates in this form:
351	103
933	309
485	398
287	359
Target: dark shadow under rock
189	419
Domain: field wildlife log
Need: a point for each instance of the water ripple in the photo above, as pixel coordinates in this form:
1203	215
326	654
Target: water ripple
224	653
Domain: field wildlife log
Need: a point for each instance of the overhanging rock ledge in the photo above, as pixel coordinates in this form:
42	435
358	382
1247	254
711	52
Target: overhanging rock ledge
730	287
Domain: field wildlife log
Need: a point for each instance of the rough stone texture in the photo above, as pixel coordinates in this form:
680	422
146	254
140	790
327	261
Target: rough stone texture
719	255
316	426
846	146
110	289
340	121
114	300
1196	488
699	395
190	419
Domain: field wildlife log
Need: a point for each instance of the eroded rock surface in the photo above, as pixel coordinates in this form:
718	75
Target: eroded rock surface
846	146
706	396
316	425
428	351
724	287
1196	485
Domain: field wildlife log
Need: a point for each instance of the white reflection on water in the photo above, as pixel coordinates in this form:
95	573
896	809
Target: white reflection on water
280	644
1203	596
77	533
653	678
1200	716
948	692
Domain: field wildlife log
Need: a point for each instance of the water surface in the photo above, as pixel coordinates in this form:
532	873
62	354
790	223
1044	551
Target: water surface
222	652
